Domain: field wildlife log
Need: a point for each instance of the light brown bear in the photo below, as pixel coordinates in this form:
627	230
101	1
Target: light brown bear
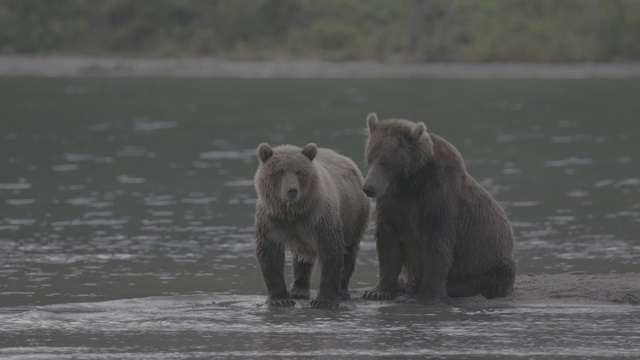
310	200
438	232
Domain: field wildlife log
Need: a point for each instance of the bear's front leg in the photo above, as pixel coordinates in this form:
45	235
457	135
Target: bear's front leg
271	258
330	278
438	258
390	259
409	282
301	273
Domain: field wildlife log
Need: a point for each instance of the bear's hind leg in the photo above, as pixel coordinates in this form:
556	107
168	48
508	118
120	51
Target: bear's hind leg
497	282
466	288
502	277
349	266
302	269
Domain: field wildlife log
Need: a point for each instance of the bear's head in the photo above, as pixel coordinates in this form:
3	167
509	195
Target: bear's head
286	174
396	149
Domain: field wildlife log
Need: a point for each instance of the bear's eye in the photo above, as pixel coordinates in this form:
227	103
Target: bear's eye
382	162
299	173
280	172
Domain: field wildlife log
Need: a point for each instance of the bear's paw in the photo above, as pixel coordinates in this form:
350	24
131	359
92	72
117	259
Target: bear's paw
324	303
282	302
406	299
344	294
378	295
299	294
423	299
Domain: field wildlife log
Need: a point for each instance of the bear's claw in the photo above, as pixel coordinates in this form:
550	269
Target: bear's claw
299	294
324	304
406	299
280	302
377	295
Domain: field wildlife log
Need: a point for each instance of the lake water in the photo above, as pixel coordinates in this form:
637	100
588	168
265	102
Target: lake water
126	215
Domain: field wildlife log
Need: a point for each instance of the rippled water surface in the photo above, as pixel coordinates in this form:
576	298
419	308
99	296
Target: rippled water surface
126	215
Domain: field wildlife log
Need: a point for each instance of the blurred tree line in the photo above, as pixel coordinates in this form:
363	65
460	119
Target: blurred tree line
418	30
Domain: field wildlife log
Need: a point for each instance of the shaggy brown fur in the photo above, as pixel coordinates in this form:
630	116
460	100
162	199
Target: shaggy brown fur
310	200
435	224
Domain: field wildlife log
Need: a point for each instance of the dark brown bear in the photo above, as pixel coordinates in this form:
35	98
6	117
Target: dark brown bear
310	200
438	232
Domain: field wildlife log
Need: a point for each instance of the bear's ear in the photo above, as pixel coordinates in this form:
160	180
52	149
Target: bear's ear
419	129
310	151
372	122
264	152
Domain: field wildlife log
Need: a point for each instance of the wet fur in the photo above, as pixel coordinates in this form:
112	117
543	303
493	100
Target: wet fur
437	229
326	222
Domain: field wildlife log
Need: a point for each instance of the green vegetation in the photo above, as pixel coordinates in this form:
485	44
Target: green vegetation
417	30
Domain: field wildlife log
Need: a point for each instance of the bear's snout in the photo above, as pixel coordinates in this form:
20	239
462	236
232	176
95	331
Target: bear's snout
292	193
369	191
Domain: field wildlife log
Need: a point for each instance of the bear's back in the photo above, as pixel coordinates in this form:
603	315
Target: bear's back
339	165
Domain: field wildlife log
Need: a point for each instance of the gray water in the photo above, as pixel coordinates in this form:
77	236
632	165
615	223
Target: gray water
126	215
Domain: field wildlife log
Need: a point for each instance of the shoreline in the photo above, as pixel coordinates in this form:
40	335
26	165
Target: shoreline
560	289
77	66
